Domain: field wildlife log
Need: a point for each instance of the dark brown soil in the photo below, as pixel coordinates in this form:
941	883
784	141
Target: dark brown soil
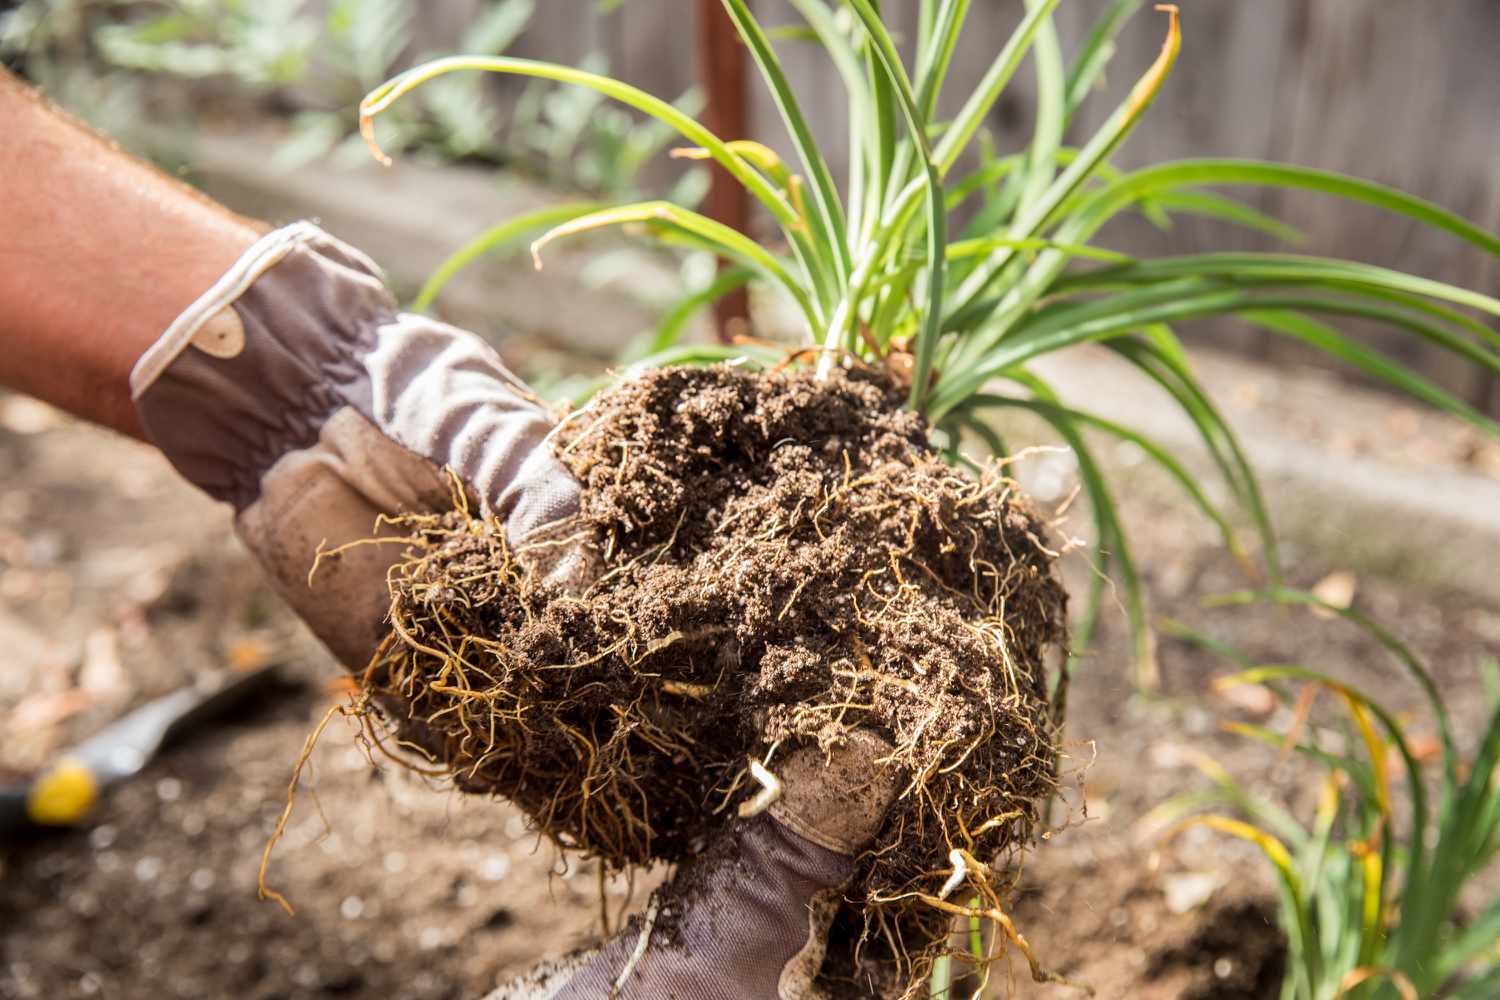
781	560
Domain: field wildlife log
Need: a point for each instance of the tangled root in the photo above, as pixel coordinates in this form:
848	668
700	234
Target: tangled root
784	561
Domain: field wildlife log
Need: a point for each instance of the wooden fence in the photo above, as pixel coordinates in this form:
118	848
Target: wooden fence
1399	91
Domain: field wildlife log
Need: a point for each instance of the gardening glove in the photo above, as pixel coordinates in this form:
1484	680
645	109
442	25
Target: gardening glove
294	390
748	918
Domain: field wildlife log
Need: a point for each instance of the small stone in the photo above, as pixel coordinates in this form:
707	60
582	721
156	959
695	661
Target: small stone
1336	590
24	415
1187	891
1252	699
84	904
495	867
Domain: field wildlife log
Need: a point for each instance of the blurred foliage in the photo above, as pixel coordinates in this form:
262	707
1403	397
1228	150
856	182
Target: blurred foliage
1379	888
100	59
579	134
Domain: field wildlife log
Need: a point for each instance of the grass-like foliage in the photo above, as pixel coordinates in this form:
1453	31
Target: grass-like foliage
880	269
1371	888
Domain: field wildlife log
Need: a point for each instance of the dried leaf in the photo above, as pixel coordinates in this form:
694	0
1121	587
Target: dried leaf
1337	589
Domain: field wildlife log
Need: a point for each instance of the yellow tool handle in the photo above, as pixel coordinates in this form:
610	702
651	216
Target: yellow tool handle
63	796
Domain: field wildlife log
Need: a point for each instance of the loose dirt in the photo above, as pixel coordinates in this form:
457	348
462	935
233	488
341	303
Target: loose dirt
778	560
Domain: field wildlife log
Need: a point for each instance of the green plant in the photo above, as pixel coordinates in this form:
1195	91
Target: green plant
328	58
873	273
105	59
1370	900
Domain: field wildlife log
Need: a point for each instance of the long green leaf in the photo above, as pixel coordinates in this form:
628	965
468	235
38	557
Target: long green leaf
676	319
959	249
1066	324
1462	837
508	236
937	54
1084	222
1292	268
829	214
1097	50
1051	111
1150	181
778	204
1160	356
727	242
1111	530
1216	206
393	89
1154	451
1384	305
937	216
861	108
961	131
1120	124
1336	345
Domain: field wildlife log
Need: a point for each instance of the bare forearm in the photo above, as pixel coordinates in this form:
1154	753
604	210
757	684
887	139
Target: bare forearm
98	254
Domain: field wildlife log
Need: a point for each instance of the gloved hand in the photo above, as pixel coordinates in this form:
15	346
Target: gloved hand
749	917
295	390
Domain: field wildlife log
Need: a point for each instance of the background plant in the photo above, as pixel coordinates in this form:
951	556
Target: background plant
100	59
82	52
1371	900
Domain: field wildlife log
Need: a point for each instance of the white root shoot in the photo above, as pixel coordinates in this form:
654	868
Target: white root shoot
770	791
640	948
960	872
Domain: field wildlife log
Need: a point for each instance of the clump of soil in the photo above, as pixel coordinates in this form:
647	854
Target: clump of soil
779	560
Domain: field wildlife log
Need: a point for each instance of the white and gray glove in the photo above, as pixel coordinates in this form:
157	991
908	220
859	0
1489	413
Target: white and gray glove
295	390
752	912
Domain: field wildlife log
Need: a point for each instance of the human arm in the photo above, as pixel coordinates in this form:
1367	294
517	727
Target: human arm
99	252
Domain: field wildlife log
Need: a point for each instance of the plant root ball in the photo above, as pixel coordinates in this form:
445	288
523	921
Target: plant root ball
782	560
